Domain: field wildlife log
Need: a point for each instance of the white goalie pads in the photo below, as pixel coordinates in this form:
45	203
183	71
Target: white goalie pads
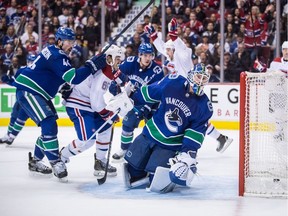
120	102
161	182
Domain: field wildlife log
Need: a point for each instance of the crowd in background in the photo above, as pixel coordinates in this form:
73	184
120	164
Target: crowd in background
249	36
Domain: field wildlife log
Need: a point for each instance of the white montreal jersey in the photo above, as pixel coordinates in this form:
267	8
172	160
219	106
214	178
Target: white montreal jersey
89	94
279	64
182	55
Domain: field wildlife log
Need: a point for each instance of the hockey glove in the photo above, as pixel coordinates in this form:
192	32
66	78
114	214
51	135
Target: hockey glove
183	168
120	77
106	115
65	91
114	88
172	29
143	113
96	63
7	79
150	30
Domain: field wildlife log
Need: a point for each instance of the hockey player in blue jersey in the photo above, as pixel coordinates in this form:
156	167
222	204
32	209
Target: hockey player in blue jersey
18	115
37	84
176	130
179	61
87	108
141	70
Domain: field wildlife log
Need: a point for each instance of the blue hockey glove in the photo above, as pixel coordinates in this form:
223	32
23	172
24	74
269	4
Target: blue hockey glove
96	63
7	79
143	113
150	30
66	90
183	168
114	88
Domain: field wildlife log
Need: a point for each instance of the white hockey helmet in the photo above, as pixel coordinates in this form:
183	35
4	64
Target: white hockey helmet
285	45
113	51
169	45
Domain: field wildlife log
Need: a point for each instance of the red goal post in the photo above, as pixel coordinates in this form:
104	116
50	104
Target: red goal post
263	158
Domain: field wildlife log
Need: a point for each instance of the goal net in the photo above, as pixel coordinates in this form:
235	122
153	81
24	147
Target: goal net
263	158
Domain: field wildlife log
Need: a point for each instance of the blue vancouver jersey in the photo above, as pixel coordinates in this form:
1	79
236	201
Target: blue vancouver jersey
180	123
138	77
48	72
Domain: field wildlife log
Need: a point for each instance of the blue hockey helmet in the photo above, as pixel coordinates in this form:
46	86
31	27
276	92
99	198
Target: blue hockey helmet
31	57
198	77
64	33
145	48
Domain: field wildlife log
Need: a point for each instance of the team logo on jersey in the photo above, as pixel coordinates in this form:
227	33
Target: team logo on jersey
173	120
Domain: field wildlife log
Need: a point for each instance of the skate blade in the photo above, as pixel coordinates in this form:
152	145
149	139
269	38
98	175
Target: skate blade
100	174
40	175
63	180
227	144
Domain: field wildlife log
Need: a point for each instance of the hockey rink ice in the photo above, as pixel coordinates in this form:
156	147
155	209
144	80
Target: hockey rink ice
214	192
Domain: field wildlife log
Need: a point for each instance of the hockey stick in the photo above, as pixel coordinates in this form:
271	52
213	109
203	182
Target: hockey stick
125	28
103	179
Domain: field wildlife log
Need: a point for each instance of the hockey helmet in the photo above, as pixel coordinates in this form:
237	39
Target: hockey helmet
169	45
30	58
198	77
145	48
113	51
65	33
285	45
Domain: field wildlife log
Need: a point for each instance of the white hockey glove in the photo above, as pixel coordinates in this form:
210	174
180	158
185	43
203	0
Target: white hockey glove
129	88
183	168
120	102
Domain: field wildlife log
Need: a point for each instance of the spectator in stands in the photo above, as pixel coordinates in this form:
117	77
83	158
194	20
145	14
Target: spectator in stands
169	14
15	18
31	46
240	61
21	55
210	33
8	55
213	77
45	34
239	40
4	18
209	4
129	51
14	65
80	19
28	33
205	45
92	35
12	8
195	59
3	68
63	17
71	22
195	25
186	14
57	7
177	7
10	36
135	41
214	20
112	7
200	15
253	25
55	24
226	43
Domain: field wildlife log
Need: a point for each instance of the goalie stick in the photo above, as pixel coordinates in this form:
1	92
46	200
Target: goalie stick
125	28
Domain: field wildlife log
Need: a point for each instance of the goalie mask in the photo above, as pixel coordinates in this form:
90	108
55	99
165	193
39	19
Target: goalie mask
113	51
198	77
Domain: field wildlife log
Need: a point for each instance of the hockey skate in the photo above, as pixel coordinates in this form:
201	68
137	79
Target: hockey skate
99	168
38	166
60	171
6	139
223	143
119	155
133	182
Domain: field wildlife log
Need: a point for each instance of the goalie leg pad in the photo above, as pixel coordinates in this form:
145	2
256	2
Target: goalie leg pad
161	182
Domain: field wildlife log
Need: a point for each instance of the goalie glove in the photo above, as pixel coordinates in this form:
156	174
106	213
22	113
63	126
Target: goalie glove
120	103
183	168
96	63
172	29
150	30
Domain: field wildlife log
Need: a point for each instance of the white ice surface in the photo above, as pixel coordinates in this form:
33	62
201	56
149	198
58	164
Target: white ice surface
215	191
